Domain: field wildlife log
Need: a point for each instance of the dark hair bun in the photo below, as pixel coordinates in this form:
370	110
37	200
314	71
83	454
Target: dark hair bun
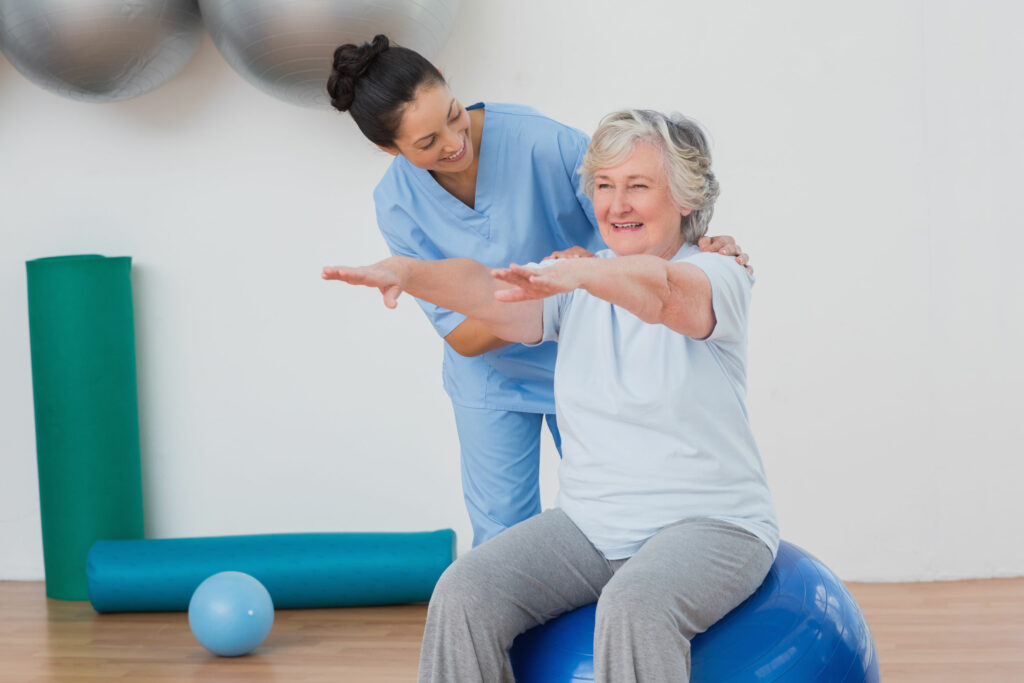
350	63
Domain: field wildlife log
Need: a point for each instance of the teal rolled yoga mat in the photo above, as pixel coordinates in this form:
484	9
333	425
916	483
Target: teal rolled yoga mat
87	429
299	570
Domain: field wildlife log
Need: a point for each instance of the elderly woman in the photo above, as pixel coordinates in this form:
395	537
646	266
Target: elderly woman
663	514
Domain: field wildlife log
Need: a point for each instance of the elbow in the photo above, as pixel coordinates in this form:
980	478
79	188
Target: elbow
703	328
694	321
473	339
468	349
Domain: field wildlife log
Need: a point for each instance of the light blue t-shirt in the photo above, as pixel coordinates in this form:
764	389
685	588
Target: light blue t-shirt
654	425
528	204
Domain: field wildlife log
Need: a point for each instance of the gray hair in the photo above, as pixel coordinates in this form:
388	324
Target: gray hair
685	154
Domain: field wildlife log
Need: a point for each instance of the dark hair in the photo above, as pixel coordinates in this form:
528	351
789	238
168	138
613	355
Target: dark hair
374	81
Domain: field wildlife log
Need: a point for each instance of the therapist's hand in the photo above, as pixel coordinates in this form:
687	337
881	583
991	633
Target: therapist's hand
571	252
389	276
725	245
530	283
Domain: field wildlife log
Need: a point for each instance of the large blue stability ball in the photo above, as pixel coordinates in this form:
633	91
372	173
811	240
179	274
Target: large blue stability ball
230	614
100	50
801	625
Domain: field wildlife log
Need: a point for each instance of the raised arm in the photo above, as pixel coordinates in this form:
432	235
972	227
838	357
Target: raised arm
461	285
677	295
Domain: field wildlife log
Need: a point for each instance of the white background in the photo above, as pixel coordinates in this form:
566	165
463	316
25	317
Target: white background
870	156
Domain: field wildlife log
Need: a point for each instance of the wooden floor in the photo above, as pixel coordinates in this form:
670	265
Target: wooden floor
965	631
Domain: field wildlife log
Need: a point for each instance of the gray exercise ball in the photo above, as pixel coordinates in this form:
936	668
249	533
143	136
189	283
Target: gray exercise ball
100	50
285	47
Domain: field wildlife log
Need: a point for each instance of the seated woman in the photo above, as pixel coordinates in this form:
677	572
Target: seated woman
663	514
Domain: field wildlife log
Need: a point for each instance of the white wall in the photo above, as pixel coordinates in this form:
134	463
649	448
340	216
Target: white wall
869	155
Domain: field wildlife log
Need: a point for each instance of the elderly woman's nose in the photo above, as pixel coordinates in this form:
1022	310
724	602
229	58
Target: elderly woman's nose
620	201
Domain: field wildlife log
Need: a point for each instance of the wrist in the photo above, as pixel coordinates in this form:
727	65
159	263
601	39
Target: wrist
402	266
586	272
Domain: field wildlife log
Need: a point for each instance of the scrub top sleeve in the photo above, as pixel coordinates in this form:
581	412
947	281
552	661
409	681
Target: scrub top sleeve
730	295
443	320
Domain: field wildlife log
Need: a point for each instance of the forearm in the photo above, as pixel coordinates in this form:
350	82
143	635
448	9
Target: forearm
466	286
473	338
637	283
657	291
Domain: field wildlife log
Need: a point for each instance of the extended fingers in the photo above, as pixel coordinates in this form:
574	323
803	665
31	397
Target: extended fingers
506	275
366	276
339	273
512	294
514	274
525	293
521	270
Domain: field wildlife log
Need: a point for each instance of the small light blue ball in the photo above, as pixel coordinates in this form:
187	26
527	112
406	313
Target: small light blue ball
230	614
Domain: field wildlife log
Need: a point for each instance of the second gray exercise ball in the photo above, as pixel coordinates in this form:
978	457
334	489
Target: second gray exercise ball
99	50
285	47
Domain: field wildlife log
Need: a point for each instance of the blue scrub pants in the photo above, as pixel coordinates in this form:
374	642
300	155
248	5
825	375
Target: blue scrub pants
500	466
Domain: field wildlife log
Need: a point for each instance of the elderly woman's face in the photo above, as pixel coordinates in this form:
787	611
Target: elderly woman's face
634	207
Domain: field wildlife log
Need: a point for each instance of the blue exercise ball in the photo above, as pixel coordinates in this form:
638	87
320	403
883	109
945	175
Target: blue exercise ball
230	614
801	625
100	50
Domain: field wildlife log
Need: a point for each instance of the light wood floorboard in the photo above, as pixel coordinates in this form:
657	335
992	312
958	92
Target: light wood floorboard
964	631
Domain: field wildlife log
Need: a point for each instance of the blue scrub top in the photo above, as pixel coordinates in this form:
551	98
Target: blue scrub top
528	204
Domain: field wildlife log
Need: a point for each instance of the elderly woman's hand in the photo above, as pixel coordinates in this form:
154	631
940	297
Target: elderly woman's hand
725	245
537	283
389	276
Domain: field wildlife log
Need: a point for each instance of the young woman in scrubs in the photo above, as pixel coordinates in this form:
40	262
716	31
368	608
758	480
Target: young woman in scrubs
497	183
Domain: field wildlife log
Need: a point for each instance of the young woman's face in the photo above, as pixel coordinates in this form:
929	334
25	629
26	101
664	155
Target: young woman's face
634	207
435	132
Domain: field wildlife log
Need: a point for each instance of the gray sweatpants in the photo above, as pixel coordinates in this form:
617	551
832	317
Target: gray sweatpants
684	579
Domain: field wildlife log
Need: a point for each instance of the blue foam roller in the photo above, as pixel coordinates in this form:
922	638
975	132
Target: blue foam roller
801	625
299	570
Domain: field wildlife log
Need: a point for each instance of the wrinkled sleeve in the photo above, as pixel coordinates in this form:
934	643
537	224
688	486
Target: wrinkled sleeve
730	295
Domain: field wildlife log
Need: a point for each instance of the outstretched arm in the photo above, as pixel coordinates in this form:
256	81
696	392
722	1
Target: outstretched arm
677	295
460	284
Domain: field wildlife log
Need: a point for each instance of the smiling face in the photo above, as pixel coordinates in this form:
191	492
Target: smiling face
435	133
634	207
